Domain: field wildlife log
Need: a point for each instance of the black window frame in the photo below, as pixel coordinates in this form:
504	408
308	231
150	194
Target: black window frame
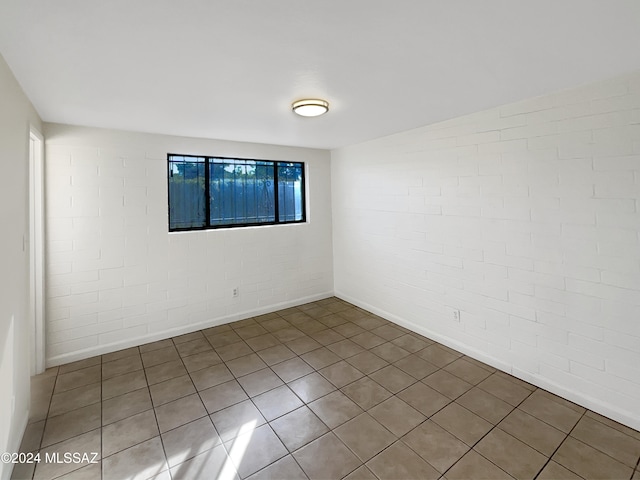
208	226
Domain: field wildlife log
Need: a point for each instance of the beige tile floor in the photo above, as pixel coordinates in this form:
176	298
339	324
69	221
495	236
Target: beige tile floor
321	391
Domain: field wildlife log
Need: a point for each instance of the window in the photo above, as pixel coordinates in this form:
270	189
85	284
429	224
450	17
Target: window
214	192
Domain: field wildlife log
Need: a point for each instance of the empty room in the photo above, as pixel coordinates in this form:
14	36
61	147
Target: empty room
320	240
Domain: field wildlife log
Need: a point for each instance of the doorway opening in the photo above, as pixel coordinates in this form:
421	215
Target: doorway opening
36	250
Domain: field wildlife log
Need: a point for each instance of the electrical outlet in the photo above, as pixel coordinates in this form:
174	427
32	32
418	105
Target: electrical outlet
456	315
236	292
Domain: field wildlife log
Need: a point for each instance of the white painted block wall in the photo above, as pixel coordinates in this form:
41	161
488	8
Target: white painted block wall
16	116
116	277
527	219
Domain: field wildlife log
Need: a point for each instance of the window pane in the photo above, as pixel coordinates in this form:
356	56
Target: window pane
186	192
241	192
290	192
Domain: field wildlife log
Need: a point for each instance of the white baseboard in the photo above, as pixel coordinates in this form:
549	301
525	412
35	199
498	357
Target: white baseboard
581	398
152	337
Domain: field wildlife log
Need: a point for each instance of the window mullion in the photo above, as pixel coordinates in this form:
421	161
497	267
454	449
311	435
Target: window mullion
207	193
275	192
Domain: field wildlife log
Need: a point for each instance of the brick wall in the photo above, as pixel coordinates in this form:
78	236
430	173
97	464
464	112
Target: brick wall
116	277
526	218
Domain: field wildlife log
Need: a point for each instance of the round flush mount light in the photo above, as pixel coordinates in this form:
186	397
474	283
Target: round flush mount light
312	107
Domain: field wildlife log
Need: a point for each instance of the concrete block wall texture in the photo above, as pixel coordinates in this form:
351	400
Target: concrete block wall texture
526	218
116	277
17	115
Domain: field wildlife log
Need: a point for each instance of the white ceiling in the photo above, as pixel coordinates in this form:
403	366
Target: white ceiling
230	69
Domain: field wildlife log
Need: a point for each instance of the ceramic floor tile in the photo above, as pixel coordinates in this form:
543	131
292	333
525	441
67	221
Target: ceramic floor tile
277	402
410	343
320	358
189	440
262	341
475	466
170	390
505	390
341	374
389	352
510	454
435	445
397	416
78	378
392	378
287	334
366	393
72	399
32	437
212	464
367	362
613	424
535	433
121	366
165	371
149	347
326	458
588	462
551	412
484	404
368	340
259	382
126	405
361	473
127	352
424	399
303	345
231	420
399	461
276	354
245	365
87	443
292	369
71	424
608	440
388	332
162	355
311	387
251	331
80	364
555	471
327	337
222	338
194	346
437	355
335	409
222	396
211	376
447	384
332	320
179	412
416	366
122	384
254	450
234	350
275	324
90	472
467	371
462	423
298	428
365	436
345	348
284	469
187	337
145	459
128	432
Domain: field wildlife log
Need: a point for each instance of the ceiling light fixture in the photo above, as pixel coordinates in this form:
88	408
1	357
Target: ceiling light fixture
312	107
